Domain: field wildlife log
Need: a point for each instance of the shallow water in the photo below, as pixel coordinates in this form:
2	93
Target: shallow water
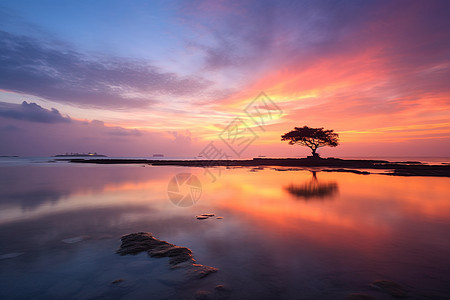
284	234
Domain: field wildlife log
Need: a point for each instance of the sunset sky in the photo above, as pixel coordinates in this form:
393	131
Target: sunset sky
134	78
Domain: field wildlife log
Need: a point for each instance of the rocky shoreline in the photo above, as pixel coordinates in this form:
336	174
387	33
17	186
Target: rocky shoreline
402	168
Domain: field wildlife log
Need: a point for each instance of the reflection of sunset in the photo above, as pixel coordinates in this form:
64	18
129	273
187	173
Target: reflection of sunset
372	222
127	186
371	205
262	194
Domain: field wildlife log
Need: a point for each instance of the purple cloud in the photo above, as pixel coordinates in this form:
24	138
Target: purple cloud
29	129
271	35
55	72
31	112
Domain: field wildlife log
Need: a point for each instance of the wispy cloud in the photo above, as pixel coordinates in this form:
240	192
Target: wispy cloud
61	74
113	130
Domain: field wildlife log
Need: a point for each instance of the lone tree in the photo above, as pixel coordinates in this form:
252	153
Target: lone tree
311	137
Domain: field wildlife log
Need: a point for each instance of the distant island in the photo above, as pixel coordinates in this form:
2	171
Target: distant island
89	154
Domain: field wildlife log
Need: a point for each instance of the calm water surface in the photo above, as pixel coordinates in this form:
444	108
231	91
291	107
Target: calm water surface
284	234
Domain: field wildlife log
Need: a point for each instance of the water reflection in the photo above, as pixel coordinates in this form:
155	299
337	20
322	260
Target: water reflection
46	204
30	187
313	189
266	246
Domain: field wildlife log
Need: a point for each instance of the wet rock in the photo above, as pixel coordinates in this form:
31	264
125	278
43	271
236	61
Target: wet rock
205	216
208	215
118	281
138	242
358	296
177	254
201	271
180	257
390	288
219	218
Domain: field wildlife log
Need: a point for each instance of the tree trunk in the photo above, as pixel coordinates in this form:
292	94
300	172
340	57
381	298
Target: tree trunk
314	152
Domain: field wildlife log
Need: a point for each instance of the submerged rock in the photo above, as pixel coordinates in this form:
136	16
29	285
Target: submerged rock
180	257
177	254
390	288
208	215
118	281
138	242
201	271
205	216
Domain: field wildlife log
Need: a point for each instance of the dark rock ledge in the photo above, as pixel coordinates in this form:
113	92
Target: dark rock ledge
405	168
179	257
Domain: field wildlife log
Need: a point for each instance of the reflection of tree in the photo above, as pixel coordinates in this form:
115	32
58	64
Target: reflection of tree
313	189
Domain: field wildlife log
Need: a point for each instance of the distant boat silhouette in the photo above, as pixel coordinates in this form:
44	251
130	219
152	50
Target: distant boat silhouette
89	154
158	155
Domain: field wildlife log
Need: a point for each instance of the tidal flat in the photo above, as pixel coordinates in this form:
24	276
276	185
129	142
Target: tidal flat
272	233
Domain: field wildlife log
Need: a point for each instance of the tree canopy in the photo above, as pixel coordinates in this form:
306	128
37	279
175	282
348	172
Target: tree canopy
313	138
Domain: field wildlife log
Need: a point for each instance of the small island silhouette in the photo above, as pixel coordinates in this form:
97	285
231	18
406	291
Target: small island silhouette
72	154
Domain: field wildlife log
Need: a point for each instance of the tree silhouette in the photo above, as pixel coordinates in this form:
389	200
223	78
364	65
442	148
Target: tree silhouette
311	137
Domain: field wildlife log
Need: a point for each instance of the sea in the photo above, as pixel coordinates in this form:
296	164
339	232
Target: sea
273	233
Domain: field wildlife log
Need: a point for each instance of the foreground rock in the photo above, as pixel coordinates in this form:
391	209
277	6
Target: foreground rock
179	257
